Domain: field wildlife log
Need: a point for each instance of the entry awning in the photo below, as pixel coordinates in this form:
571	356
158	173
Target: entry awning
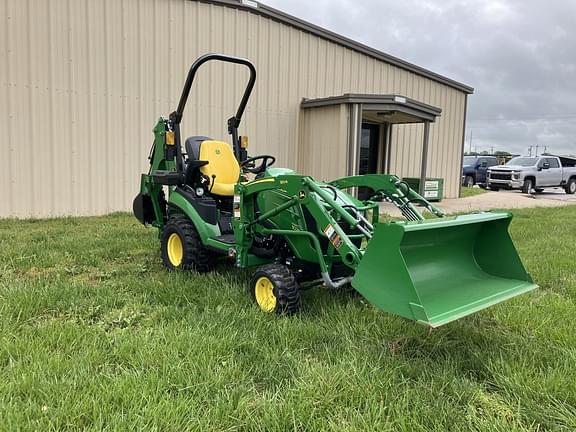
394	109
390	109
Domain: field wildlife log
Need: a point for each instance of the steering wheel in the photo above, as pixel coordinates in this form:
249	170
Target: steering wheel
267	161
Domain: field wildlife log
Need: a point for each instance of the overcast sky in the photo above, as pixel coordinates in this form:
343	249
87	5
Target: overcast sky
520	57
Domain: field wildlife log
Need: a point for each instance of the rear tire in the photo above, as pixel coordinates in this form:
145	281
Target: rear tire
571	186
527	186
182	248
538	190
275	290
468	181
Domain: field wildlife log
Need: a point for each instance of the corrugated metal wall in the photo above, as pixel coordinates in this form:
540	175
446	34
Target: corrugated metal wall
324	135
82	83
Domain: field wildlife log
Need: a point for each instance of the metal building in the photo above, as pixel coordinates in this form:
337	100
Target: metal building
82	82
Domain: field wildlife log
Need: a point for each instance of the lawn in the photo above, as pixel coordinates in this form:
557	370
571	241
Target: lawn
95	335
471	191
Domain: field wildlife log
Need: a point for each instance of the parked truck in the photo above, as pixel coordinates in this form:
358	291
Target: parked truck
534	174
474	169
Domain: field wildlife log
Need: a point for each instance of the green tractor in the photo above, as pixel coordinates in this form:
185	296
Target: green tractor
296	231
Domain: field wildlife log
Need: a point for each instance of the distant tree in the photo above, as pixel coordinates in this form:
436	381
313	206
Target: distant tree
502	153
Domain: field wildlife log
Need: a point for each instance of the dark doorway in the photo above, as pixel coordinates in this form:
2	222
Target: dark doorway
368	157
369	149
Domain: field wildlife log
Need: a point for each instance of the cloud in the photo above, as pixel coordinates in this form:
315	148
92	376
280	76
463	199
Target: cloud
520	56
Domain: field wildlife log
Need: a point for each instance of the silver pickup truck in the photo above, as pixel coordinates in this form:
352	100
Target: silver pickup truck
534	174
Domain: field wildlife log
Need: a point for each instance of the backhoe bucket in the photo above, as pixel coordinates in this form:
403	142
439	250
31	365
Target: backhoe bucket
437	271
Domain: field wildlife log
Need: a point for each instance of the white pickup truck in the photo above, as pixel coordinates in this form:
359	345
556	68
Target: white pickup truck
534	174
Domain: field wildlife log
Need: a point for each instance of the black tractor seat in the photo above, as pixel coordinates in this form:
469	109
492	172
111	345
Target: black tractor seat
192	146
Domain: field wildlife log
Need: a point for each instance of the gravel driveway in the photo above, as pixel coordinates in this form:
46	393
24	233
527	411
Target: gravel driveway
553	197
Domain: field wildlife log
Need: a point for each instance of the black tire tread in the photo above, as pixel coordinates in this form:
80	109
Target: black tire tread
196	256
570	182
526	188
286	287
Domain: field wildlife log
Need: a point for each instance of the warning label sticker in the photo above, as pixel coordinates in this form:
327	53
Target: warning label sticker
333	236
236	206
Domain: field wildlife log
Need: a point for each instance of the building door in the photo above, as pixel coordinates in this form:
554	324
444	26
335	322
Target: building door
369	154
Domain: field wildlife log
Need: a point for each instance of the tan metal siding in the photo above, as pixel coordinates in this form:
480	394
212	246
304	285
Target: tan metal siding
325	137
82	83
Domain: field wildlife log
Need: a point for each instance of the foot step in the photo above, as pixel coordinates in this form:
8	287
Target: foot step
226	238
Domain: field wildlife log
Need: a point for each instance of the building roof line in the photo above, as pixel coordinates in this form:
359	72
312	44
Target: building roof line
372	102
369	99
282	17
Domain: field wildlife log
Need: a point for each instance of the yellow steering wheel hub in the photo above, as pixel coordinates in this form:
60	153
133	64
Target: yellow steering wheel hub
175	249
265	294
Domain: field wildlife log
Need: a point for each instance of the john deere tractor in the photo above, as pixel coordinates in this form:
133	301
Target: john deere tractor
210	199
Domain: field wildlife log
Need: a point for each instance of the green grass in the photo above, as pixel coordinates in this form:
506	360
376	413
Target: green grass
471	191
95	335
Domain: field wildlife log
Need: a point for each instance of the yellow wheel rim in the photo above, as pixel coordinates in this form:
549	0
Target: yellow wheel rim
175	249
265	294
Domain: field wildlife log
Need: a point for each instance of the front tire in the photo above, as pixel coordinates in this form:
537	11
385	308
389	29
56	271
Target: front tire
468	181
182	248
275	290
527	186
494	188
571	186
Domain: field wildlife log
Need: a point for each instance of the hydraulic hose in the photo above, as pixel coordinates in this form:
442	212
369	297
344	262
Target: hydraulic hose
335	285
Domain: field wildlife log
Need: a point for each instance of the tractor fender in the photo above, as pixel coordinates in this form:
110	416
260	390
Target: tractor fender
205	229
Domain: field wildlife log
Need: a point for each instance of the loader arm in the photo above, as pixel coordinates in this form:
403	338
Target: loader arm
392	189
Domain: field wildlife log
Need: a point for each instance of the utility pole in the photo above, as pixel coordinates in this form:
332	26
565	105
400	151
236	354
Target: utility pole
492	150
470	149
536	150
530	151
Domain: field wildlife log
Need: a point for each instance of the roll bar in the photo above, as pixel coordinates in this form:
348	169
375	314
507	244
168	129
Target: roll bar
192	73
233	122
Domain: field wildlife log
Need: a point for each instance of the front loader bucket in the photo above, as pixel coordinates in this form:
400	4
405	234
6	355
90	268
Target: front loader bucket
437	271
